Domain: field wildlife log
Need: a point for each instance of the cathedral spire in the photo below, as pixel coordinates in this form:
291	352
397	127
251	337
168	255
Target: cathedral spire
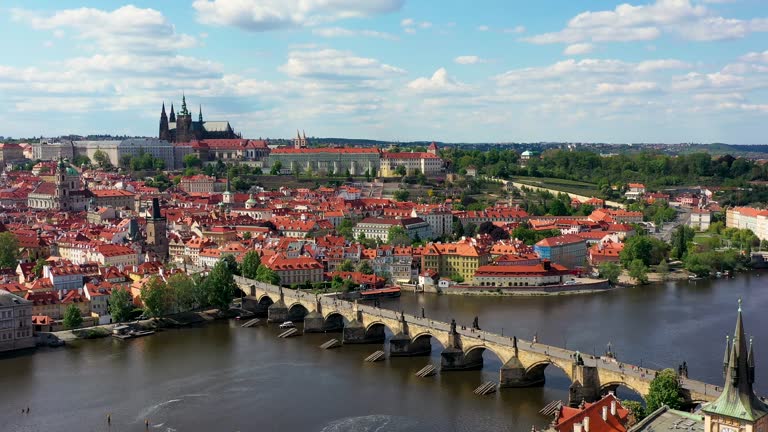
727	355
172	117
184	110
200	116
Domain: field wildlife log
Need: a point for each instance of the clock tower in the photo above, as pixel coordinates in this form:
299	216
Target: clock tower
737	409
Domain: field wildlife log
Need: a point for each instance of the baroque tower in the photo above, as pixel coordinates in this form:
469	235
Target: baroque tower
737	409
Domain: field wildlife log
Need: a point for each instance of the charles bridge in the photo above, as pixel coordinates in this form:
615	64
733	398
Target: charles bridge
523	362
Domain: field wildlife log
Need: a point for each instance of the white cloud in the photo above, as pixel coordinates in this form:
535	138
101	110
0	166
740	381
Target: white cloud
646	22
407	22
578	49
756	57
662	64
333	32
483	28
425	24
126	29
439	83
409	25
329	64
517	30
468	59
265	15
631	87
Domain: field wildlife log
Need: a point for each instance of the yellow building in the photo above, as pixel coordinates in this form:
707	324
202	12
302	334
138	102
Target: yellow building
455	259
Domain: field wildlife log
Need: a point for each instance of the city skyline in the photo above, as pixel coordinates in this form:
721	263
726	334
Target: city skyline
664	71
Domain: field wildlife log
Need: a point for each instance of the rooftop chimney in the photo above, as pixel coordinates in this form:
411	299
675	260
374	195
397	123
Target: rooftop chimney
605	413
577	427
613	407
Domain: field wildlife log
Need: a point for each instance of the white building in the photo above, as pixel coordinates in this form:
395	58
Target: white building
378	228
15	322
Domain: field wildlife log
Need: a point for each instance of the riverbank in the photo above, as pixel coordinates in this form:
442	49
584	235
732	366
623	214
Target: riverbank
184	319
582	286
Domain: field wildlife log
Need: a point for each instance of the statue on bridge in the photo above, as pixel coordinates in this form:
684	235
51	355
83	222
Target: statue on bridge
453	326
475	324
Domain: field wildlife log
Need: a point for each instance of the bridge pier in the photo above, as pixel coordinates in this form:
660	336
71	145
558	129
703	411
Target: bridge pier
251	304
277	312
512	374
355	333
400	345
585	386
454	359
314	322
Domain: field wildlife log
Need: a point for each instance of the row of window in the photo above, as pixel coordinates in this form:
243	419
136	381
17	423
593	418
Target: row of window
19	334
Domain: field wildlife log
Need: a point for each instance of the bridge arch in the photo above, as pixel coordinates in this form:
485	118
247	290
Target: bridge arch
265	300
376	329
612	386
478	350
432	337
334	321
297	312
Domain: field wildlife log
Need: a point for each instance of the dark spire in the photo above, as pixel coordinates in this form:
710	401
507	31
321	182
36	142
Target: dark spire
738	399
727	355
751	363
156	209
172	117
162	112
200	116
184	110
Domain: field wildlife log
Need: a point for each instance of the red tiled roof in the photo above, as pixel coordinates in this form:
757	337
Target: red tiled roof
345	150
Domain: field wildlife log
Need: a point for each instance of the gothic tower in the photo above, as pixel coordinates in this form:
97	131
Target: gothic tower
184	132
737	408
165	133
157	240
172	117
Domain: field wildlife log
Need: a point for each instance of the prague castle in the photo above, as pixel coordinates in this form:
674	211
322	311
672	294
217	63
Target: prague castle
180	128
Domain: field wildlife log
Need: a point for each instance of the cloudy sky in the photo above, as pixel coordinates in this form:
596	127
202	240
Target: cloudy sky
449	70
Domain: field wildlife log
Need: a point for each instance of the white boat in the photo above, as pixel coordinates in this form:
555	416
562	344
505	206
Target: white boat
287	325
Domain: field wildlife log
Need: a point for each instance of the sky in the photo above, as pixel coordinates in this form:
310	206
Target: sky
396	70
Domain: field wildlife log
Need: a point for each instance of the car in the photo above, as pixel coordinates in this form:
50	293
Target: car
287	325
571	282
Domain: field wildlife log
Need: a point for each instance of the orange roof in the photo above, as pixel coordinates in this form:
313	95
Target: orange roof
560	240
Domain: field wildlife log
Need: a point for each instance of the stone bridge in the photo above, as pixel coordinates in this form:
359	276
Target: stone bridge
523	362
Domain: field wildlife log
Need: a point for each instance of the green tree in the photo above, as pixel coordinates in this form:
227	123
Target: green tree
663	269
101	158
231	263
120	304
250	265
365	267
267	275
635	408
401	195
610	271
156	297
37	270
639	271
220	285
72	317
400	170
182	290
347	266
680	238
191	161
647	249
276	167
664	390
9	250
398	236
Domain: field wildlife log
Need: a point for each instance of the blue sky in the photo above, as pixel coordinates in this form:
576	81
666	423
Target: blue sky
449	70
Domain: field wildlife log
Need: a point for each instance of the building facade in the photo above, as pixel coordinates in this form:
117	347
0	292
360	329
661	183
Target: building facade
455	260
425	163
568	250
748	218
15	322
378	228
326	160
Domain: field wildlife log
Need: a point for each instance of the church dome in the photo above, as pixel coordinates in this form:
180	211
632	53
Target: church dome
71	171
250	203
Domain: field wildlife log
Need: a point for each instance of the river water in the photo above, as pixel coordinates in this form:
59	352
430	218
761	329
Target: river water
225	378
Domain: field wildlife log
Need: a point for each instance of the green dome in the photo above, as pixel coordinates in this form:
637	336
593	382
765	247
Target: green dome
71	171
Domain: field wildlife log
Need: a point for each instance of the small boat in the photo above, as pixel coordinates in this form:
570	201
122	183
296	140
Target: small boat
386	292
287	325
